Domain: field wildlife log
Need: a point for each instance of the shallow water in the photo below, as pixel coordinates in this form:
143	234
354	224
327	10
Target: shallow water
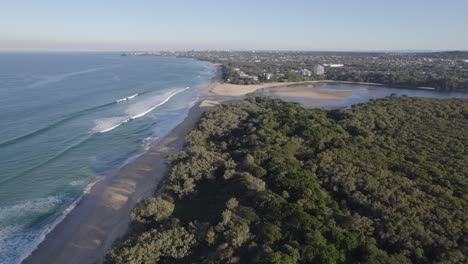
357	93
68	119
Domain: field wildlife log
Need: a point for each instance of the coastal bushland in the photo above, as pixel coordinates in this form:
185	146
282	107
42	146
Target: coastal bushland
267	181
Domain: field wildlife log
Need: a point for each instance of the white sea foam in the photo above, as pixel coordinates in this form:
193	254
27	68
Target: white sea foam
148	142
195	101
40	205
16	239
108	124
126	98
77	183
158	105
114	127
32	246
132	96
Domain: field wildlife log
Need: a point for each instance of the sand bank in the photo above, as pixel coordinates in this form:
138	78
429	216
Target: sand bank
228	89
280	89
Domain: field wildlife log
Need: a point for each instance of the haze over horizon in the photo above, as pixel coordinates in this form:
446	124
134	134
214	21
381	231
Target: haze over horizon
336	25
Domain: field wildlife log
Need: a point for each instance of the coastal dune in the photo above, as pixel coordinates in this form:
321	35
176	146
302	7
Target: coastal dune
102	216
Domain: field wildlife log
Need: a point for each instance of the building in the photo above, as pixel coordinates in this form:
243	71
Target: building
244	75
266	76
280	75
334	65
305	72
319	70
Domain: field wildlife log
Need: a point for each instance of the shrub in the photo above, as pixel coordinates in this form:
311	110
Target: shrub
153	208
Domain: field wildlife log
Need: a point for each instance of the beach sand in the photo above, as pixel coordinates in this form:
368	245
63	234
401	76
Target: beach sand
227	89
281	90
103	215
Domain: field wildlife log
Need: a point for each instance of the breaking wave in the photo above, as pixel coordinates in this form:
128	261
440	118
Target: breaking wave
156	106
139	114
127	98
16	239
52	125
54	202
66	119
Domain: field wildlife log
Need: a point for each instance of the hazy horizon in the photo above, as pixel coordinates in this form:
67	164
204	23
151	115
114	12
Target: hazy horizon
297	25
227	50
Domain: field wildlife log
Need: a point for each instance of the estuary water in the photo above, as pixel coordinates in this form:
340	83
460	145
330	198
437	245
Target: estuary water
344	95
69	119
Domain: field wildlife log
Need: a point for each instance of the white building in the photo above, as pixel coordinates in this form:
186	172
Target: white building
319	70
244	75
336	65
305	72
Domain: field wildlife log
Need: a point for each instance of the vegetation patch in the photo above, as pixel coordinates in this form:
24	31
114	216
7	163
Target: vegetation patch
266	181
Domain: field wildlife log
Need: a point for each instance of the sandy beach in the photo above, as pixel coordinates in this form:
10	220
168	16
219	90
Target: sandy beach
103	215
227	89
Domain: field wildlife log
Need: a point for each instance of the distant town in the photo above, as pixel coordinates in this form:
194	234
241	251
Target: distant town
443	71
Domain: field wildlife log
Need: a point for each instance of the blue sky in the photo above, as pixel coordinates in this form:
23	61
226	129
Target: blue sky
242	24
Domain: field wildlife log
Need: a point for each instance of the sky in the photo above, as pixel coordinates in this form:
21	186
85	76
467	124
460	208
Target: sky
333	25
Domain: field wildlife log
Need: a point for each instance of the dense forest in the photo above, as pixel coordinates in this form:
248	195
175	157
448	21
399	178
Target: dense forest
267	181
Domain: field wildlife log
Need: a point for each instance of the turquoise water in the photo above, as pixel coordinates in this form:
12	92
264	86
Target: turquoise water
68	119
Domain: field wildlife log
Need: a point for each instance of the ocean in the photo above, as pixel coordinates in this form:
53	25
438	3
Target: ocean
69	119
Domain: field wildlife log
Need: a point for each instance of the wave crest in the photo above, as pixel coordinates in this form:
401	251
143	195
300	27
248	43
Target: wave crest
112	124
126	98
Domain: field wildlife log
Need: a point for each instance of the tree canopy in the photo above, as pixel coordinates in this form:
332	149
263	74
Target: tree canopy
267	181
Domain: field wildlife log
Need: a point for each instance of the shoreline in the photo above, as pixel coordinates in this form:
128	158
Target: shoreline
228	89
102	215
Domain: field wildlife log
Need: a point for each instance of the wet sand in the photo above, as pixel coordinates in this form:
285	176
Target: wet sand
218	87
103	215
308	93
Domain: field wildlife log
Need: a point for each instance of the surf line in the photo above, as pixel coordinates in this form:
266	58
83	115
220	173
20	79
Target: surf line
145	112
127	98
